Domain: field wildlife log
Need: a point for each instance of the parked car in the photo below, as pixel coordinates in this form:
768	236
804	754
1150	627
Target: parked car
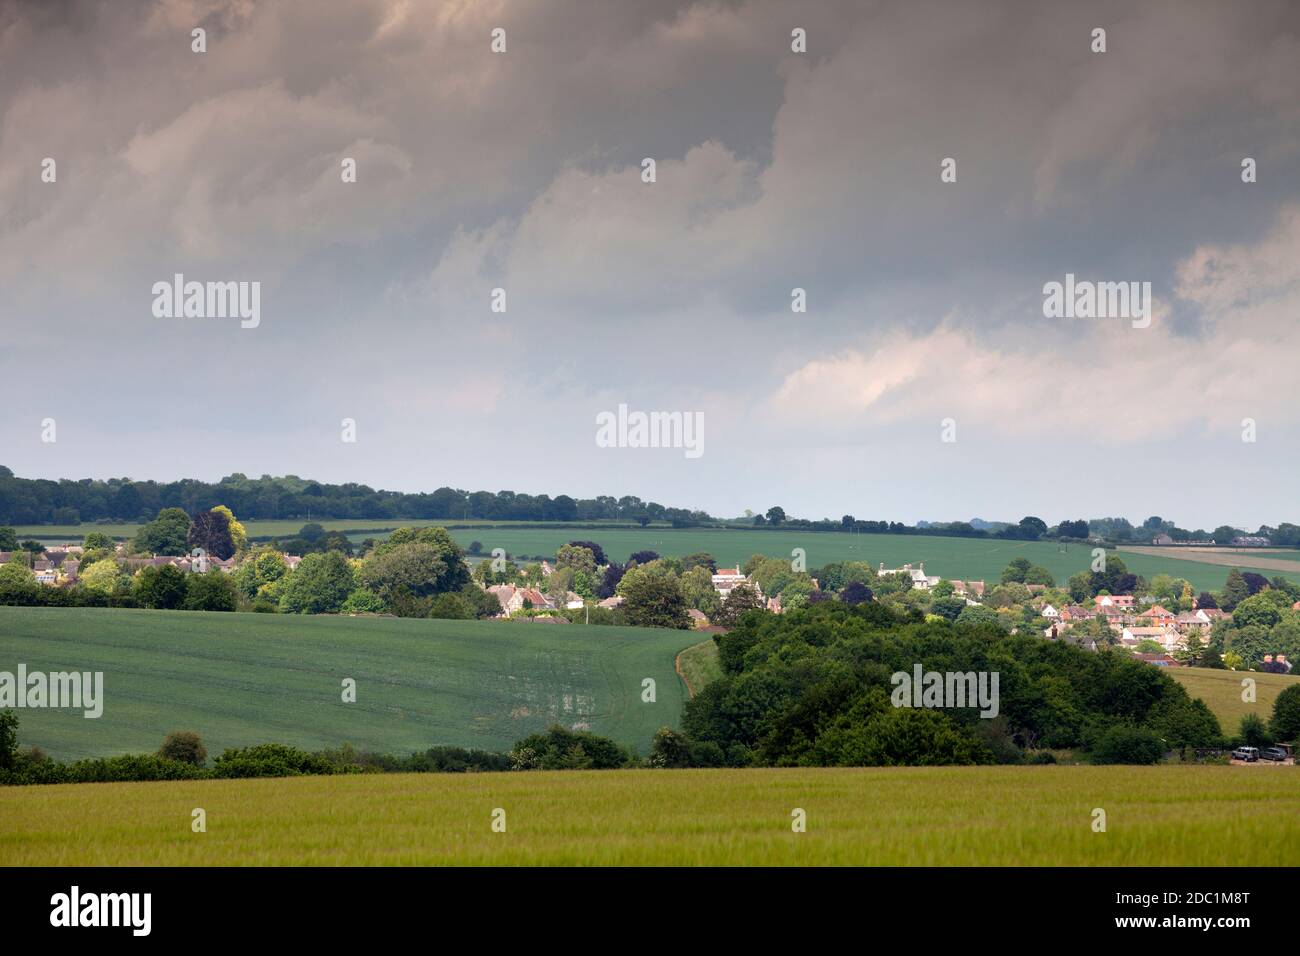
1248	754
1273	753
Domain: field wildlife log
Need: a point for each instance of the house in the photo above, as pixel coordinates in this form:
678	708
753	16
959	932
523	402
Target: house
1166	637
968	589
1250	541
1074	612
774	604
725	579
1115	600
612	602
1157	615
1197	620
1050	613
572	601
698	618
920	580
512	599
1162	539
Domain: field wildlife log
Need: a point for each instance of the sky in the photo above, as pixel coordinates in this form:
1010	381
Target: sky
774	170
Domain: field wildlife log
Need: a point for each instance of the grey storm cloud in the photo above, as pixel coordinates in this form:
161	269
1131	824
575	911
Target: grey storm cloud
775	170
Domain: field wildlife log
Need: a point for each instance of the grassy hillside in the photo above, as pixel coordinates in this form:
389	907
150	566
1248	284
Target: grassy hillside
249	678
699	664
985	816
1221	691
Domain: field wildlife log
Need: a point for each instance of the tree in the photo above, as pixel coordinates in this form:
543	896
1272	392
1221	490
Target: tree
238	536
163	587
102	577
184	746
1235	590
775	515
855	592
742	598
213	591
1032	528
210	530
654	600
8	739
1254	732
8	539
700	559
1073	529
16	582
1016	571
312	532
97	541
597	552
577	557
1286	714
168	533
643	557
424	562
320	585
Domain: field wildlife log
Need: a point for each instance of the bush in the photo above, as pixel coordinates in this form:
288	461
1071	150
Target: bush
129	767
271	760
1130	745
184	746
1286	714
562	749
1254	732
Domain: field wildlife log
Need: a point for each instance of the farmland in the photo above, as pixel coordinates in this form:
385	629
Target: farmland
1221	691
252	678
965	558
992	816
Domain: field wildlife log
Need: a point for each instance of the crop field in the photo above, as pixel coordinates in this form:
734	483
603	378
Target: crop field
964	558
1285	560
1222	690
240	679
961	816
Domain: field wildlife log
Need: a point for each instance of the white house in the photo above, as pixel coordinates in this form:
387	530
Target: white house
920	580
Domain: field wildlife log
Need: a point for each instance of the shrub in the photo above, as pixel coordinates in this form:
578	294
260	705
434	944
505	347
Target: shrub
184	746
1131	745
1254	732
1286	714
271	760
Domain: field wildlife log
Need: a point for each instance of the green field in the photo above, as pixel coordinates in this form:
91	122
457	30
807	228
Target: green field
983	816
964	558
241	679
699	665
1221	691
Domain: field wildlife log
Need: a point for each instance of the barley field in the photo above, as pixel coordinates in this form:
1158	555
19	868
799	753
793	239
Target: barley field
960	816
